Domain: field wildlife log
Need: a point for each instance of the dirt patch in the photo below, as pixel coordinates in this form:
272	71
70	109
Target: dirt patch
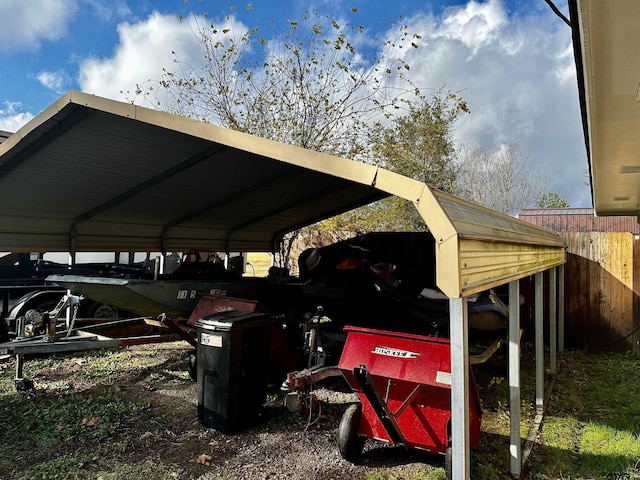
280	445
164	438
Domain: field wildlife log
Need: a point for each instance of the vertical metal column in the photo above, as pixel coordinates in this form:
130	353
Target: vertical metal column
460	443
539	348
68	312
553	311
561	308
22	384
515	447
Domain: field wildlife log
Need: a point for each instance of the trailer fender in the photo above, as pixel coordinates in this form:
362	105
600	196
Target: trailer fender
45	300
40	300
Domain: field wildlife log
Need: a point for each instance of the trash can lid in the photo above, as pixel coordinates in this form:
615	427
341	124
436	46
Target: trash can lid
232	319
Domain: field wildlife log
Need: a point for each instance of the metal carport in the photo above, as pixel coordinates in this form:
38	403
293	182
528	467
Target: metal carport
92	174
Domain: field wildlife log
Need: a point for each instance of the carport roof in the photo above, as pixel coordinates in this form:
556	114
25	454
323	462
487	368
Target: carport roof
92	174
606	41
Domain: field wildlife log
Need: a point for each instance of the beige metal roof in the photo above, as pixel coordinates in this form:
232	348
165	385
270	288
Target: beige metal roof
91	174
607	49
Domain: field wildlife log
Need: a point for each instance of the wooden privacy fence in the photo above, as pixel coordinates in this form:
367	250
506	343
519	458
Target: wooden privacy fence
602	288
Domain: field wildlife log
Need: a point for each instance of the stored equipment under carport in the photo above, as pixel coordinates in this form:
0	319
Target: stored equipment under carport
232	368
403	382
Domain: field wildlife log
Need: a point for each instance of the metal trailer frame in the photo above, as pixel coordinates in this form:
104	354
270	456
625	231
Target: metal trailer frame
74	339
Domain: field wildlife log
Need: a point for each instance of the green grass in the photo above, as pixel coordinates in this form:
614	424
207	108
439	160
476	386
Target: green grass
66	467
45	434
51	436
427	474
42	424
591	428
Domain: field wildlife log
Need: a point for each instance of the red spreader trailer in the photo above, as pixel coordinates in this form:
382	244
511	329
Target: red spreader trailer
403	382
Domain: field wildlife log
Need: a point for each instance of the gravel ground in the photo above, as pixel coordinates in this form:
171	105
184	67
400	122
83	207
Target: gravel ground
165	440
280	448
281	444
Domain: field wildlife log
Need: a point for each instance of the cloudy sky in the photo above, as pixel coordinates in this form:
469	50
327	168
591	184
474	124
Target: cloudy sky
512	61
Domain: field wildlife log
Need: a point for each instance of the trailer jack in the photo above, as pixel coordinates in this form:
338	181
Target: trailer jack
22	384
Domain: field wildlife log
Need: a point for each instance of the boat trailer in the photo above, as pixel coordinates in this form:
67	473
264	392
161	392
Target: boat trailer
38	333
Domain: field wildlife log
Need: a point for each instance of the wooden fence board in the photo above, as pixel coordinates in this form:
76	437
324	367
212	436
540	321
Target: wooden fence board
601	304
622	288
635	338
576	295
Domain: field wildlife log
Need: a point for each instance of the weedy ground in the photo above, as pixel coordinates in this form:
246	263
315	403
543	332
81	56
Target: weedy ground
131	413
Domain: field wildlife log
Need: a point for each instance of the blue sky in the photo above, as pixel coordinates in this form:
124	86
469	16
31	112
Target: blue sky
512	61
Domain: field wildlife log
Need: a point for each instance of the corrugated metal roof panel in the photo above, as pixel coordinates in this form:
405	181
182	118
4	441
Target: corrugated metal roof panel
578	220
92	174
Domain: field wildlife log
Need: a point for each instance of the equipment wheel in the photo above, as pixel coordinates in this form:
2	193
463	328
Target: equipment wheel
105	312
448	461
41	305
192	366
350	443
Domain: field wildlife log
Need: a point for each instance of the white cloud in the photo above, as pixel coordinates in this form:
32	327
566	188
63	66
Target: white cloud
517	74
24	24
475	25
108	10
144	49
57	81
11	118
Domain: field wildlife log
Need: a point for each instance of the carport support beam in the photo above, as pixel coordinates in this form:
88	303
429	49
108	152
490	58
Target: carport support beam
553	315
539	348
460	424
561	308
515	447
68	314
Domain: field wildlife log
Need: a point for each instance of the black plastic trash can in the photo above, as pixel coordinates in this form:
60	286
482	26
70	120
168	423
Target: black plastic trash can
232	368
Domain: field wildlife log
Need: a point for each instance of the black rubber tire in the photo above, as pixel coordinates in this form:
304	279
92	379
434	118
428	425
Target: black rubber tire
448	462
192	366
104	312
41	305
350	444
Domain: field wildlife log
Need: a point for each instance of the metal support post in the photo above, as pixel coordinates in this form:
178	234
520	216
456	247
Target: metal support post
460	425
553	311
539	348
561	308
515	447
68	313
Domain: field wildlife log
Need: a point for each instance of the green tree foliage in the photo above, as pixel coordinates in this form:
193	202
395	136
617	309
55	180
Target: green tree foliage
315	82
418	145
304	83
551	200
